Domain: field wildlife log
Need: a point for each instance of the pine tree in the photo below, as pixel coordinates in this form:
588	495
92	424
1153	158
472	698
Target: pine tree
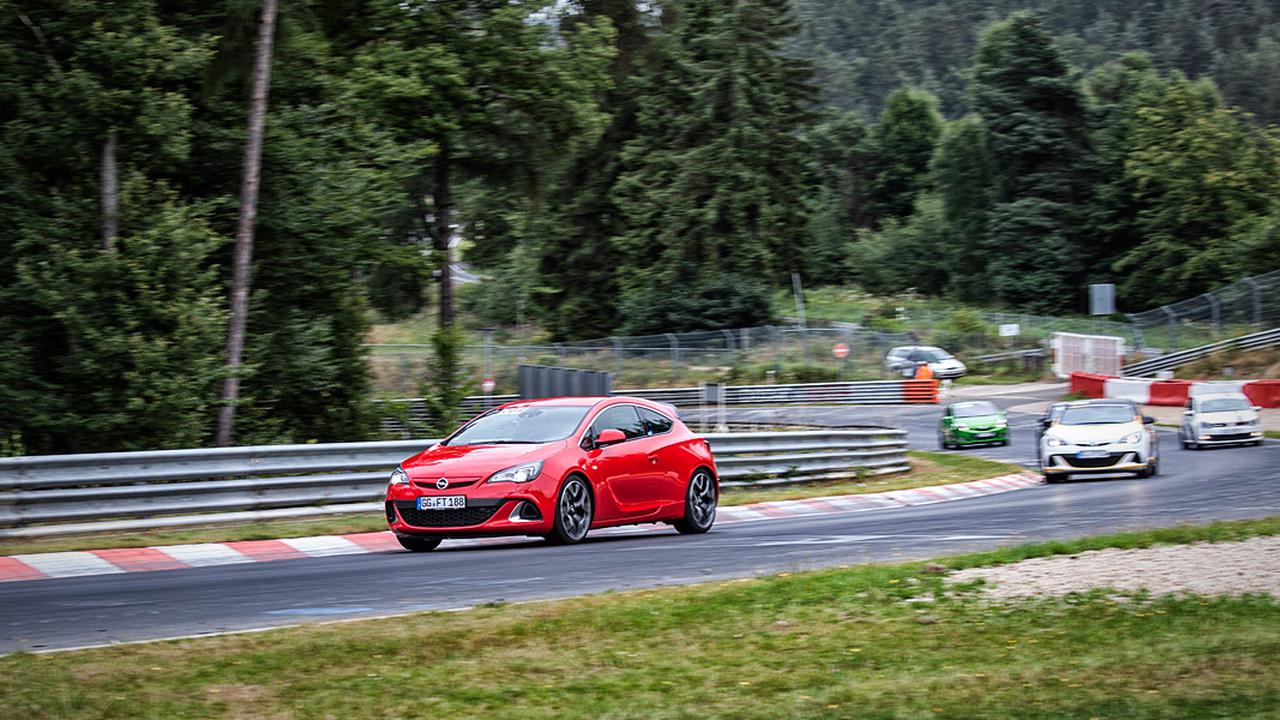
1031	107
713	187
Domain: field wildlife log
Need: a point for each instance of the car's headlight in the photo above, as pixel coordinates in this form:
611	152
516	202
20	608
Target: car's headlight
1130	438
962	427
518	474
398	477
1055	442
1002	423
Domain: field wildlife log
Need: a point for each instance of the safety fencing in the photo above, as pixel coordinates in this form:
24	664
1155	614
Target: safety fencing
1172	393
1253	341
406	414
60	494
1249	304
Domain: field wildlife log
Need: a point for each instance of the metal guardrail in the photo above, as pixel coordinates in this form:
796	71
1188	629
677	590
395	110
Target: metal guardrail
1253	341
875	392
58	494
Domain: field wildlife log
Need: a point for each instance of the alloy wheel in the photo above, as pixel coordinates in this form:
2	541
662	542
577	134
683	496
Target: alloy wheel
575	510
702	499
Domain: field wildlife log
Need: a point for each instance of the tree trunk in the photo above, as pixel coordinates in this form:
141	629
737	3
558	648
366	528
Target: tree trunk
442	202
244	230
110	187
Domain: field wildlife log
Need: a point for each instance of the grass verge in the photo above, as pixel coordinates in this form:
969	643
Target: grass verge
927	468
866	642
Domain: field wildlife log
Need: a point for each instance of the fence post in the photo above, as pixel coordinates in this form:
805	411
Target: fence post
777	352
1215	313
1173	327
675	355
1257	301
617	355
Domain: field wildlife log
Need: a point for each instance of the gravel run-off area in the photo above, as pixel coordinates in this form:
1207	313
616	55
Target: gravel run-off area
1227	568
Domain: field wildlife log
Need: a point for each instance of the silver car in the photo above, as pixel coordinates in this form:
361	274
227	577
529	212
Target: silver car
903	361
1219	419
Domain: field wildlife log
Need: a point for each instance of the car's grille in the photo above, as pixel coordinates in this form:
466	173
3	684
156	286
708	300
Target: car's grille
430	483
1232	436
1099	462
473	515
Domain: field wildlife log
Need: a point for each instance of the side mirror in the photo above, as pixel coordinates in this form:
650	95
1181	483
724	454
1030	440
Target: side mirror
1257	408
609	436
1188	413
1148	420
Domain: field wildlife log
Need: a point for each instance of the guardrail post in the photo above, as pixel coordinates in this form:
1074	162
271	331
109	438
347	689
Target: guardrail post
777	352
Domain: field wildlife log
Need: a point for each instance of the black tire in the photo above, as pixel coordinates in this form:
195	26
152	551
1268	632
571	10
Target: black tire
1154	468
700	500
418	544
942	441
575	508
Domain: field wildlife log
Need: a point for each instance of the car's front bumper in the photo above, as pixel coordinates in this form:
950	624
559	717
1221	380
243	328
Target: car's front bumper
981	437
524	509
1229	436
1066	460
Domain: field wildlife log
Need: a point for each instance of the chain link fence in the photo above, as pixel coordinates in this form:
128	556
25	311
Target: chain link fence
1241	308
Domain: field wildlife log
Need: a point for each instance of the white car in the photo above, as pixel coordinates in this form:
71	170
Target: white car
1219	419
903	361
1093	437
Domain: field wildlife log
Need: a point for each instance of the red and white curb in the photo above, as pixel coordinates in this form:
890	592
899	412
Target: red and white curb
39	566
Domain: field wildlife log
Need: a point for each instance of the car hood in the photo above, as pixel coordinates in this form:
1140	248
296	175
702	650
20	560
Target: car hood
1229	416
1093	433
981	420
474	460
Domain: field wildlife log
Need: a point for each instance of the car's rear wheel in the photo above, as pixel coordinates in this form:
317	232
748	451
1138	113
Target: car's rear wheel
574	510
942	441
699	505
418	544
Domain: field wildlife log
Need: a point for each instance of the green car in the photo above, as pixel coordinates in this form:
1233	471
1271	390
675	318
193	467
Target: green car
976	422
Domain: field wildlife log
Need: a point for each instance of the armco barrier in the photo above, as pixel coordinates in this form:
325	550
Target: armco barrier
876	392
53	494
1171	393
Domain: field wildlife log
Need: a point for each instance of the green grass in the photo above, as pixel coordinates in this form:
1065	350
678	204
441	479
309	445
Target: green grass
927	469
838	643
1271	434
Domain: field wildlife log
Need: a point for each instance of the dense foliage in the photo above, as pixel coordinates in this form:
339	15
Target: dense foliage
610	166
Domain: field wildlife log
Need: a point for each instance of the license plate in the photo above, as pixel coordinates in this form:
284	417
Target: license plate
984	435
443	502
1087	454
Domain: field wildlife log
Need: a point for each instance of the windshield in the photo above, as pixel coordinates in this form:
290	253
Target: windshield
975	409
521	425
1224	405
1097	415
935	355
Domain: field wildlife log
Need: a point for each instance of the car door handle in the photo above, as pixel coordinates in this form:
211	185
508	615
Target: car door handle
653	458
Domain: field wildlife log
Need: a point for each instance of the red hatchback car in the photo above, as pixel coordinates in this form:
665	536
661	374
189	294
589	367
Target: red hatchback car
556	468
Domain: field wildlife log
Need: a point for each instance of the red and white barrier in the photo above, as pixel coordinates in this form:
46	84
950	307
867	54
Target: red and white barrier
1173	393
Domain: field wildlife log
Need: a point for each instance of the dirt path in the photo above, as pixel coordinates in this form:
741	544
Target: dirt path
1229	568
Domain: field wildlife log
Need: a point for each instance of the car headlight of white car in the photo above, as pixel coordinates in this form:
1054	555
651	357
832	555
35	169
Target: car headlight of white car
517	474
1054	441
1130	439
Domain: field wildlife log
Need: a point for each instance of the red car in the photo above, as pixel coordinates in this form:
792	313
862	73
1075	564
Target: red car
556	468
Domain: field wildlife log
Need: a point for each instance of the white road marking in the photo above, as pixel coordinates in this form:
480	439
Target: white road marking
324	546
68	564
204	554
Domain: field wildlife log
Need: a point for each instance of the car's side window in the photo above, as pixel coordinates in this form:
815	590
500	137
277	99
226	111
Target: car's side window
655	423
620	417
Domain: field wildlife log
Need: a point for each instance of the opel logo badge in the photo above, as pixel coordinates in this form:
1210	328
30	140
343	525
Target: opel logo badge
442	483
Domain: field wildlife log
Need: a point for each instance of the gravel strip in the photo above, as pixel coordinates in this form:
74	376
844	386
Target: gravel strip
1228	568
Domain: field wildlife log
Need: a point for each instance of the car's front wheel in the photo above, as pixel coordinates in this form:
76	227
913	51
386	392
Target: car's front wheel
418	544
699	505
574	510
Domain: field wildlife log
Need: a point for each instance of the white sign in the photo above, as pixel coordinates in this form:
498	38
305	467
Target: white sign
487	385
1010	330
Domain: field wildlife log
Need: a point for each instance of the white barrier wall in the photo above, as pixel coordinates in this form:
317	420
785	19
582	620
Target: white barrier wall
1100	354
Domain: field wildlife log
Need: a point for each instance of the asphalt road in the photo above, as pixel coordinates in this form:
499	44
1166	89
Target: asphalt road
1194	487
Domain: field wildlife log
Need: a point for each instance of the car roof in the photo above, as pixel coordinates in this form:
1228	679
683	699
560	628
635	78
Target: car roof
589	401
1216	396
1101	402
